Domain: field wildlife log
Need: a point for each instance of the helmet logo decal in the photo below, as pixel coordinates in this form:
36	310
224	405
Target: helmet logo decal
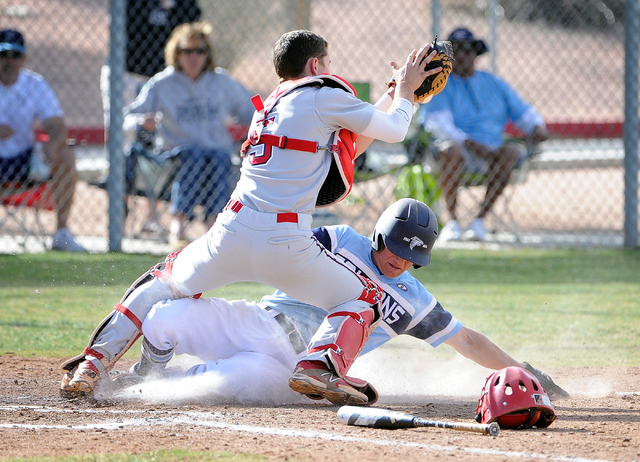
541	399
415	241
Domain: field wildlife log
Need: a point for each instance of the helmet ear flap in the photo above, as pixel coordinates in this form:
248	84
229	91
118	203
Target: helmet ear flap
377	240
546	418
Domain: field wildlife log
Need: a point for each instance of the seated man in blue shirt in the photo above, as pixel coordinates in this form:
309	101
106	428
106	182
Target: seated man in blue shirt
468	120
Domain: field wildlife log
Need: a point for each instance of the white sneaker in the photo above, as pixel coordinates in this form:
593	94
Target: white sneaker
63	240
476	231
451	231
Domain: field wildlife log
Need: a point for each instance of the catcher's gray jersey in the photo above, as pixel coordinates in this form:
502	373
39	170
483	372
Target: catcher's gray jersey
276	180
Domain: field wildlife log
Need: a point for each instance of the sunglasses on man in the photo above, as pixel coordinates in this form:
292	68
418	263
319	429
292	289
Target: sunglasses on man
464	47
10	54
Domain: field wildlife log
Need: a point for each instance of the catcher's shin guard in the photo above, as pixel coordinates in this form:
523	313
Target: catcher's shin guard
118	331
349	330
337	343
341	337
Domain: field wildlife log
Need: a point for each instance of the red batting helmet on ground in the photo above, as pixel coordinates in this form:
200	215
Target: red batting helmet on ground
514	398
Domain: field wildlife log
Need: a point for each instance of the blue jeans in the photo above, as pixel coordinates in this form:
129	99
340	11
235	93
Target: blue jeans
16	168
204	177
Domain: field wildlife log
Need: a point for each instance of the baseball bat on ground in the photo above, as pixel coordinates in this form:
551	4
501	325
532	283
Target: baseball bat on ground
384	418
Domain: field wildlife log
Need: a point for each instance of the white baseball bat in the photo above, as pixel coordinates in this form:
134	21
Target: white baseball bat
385	418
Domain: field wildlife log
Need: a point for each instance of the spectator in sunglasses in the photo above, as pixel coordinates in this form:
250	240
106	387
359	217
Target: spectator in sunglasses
149	25
190	105
468	120
27	100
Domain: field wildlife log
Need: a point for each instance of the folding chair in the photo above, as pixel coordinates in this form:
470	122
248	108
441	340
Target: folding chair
149	175
501	214
21	219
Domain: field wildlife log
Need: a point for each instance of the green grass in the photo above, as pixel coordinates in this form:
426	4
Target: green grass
52	302
552	307
557	307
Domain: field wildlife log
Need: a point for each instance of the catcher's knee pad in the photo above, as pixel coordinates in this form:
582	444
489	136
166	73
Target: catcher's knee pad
341	337
372	293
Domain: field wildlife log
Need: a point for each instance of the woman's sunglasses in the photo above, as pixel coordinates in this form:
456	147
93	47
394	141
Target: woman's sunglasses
197	51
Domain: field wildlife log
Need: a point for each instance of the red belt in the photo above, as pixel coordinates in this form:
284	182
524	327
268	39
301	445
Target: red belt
288	217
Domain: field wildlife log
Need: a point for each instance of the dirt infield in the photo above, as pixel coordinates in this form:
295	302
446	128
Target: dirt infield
36	422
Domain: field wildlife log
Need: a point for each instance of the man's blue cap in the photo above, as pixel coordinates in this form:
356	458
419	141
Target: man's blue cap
11	40
462	34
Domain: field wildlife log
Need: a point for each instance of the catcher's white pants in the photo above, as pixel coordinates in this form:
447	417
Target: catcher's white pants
252	246
246	354
247	246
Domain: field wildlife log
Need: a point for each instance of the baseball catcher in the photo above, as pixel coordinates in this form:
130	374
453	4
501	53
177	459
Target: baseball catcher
435	83
264	233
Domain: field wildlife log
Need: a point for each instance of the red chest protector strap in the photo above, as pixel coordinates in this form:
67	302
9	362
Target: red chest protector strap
282	142
339	181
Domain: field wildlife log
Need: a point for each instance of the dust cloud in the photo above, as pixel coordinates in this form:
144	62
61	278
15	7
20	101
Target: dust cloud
400	372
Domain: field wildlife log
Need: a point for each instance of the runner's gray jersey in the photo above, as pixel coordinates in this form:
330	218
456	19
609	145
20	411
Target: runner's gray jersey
407	307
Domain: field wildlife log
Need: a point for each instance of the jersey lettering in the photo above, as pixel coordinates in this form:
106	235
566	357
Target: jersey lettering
393	313
259	154
351	266
391	309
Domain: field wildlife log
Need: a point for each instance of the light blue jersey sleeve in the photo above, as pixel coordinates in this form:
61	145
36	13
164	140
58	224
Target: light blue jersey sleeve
408	308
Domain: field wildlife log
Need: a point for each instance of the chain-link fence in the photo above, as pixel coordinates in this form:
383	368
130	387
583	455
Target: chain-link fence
566	58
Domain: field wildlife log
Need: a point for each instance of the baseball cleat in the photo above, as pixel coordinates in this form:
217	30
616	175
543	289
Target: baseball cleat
81	382
318	382
451	231
124	379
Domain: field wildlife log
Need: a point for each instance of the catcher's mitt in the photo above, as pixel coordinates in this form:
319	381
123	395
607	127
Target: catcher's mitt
435	83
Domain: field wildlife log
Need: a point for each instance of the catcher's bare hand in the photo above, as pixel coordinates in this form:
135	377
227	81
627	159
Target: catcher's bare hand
411	75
